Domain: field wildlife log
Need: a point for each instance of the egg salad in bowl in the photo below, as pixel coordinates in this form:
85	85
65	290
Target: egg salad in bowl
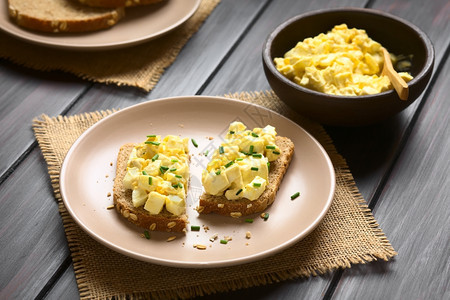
343	61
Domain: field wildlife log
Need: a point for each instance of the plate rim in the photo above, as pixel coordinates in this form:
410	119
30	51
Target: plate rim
191	264
35	39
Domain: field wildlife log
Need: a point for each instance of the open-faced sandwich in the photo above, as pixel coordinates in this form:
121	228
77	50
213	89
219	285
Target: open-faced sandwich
245	172
151	183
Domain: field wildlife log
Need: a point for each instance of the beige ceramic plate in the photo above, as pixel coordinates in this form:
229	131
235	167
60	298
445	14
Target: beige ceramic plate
88	172
140	24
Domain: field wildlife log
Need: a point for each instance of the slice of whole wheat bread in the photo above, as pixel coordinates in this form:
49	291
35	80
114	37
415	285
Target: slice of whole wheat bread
164	221
241	207
62	15
117	3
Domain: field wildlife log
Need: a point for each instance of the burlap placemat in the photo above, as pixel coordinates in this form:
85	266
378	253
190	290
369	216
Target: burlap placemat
347	235
139	66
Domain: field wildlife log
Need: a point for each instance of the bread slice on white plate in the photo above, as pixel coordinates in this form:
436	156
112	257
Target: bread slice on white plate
62	15
117	3
241	207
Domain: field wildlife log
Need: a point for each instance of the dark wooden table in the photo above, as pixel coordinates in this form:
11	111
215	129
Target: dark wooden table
401	166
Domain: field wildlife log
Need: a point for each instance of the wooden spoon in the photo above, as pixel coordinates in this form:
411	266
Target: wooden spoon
400	86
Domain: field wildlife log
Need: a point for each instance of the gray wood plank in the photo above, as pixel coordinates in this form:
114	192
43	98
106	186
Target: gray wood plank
25	94
200	57
413	211
32	240
66	287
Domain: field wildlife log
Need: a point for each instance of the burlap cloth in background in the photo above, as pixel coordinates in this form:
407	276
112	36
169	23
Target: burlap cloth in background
139	66
347	235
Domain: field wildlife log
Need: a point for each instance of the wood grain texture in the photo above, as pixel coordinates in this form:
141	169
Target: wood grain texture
32	239
413	211
24	95
411	201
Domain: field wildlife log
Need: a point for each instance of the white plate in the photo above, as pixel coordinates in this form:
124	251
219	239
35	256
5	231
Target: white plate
87	177
140	24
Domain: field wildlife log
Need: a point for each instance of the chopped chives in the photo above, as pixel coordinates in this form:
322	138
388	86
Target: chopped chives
175	186
221	150
206	152
152	135
265	216
276	152
163	169
270	147
153	143
239	159
155	157
254	168
248	220
174	160
229	164
246	153
238	192
268	165
251	149
257	155
147	234
180	185
256	184
194	143
195	228
150	180
231	132
223	241
178	176
254	134
173	169
144	173
295	195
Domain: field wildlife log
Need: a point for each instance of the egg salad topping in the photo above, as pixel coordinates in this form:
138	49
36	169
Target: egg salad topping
239	168
158	173
341	62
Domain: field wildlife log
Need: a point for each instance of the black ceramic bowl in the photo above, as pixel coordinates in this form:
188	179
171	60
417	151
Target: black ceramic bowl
395	34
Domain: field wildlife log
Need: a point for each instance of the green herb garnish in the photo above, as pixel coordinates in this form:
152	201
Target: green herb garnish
231	132
147	234
238	192
174	160
256	184
218	172
257	155
221	150
251	149
276	152
163	169
144	173
254	168
195	228
152	135
178	176
194	143
254	134
223	241
150	180
155	157
295	195
153	143
173	169
229	164
270	147
248	220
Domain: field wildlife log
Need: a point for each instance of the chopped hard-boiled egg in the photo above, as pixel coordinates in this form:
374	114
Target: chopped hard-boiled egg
158	173
239	168
341	62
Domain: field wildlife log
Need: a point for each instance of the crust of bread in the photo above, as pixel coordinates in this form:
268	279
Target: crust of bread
117	3
242	207
165	221
62	16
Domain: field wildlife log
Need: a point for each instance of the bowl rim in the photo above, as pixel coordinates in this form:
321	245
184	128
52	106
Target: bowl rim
268	61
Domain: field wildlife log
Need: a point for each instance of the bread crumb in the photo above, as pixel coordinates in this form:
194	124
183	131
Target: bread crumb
200	246
171	238
248	235
108	195
199	209
110	207
111	164
106	176
214	237
152	226
210	138
235	214
220	205
181	125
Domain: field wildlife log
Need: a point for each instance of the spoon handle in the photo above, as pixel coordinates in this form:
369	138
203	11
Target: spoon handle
400	86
